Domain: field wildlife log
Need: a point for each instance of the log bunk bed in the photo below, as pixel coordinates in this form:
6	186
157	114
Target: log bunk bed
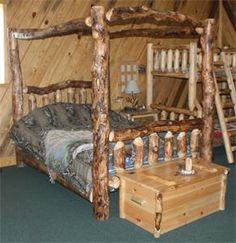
185	62
97	25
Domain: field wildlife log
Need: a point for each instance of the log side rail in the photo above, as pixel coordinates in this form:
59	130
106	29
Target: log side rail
166	141
175	110
155	127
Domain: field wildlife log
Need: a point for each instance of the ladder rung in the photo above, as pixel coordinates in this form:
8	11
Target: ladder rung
224	91
221	79
228	105
231	133
233	148
218	63
230	119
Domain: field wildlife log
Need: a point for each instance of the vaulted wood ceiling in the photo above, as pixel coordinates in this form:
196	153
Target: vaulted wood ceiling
49	61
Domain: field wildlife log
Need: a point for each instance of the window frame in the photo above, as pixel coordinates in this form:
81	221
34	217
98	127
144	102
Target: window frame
4	78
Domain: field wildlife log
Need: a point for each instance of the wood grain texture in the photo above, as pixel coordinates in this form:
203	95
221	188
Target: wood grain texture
157	126
208	88
58	86
17	87
100	78
123	14
158	199
153	148
76	26
119	156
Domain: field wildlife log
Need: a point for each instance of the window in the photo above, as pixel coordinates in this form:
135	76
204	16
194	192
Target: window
2	45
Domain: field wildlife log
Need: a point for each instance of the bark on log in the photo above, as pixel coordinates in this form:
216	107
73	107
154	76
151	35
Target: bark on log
157	126
153	149
100	76
139	153
163	115
158	214
182	144
208	88
181	117
71	95
32	102
83	96
76	26
168	146
58	86
58	96
172	116
114	182
161	32
223	190
17	83
45	100
195	143
119	157
124	14
174	109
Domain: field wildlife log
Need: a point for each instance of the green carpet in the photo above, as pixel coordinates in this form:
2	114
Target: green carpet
33	210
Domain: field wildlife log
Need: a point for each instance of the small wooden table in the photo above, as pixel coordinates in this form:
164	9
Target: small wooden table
158	198
132	115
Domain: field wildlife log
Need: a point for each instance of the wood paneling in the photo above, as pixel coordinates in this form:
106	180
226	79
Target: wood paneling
48	61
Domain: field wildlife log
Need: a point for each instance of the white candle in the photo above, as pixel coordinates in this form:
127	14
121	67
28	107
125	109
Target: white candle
188	164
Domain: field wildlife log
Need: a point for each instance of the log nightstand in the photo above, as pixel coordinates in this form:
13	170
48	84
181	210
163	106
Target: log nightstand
158	198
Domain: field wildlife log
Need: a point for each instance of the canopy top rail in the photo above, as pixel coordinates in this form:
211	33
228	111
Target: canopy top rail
176	25
123	14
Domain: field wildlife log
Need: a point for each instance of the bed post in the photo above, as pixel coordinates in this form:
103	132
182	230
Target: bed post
17	83
192	86
206	40
149	92
100	76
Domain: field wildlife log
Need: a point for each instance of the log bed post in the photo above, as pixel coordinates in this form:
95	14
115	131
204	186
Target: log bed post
100	113
206	40
17	85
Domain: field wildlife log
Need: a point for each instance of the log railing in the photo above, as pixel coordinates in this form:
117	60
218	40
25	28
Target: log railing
71	91
174	113
179	60
174	60
167	140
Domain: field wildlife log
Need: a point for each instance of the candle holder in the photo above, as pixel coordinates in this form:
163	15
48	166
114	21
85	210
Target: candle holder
186	169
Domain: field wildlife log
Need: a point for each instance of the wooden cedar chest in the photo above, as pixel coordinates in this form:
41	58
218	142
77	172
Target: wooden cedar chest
159	199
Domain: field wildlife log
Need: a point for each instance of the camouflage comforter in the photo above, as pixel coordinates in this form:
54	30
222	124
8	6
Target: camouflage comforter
58	134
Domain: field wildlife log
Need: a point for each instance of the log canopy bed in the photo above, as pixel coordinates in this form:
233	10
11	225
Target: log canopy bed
99	25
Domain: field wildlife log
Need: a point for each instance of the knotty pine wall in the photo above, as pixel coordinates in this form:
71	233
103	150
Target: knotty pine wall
52	60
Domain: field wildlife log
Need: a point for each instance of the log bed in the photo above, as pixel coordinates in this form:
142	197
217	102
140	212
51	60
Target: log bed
99	24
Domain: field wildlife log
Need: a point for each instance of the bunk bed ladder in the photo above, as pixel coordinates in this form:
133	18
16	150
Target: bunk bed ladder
225	100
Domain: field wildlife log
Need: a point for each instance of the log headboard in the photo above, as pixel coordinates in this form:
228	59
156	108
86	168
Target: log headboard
71	91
